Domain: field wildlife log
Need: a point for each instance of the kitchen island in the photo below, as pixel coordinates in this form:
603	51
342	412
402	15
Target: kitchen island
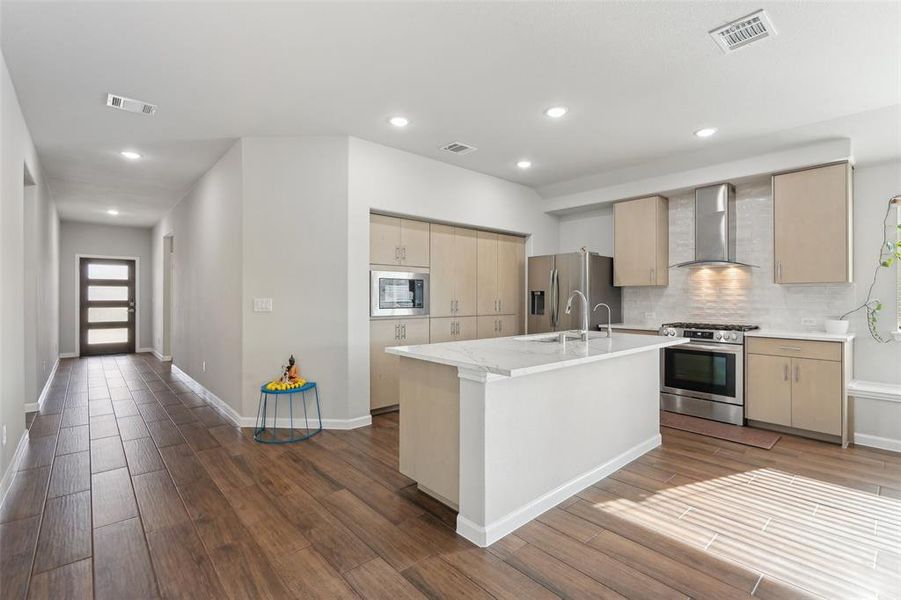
503	429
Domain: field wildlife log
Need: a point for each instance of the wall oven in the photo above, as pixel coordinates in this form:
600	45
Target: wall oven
704	378
398	294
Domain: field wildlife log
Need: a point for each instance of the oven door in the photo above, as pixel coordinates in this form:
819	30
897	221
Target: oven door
707	371
398	294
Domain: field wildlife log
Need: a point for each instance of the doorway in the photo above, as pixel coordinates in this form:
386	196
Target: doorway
106	306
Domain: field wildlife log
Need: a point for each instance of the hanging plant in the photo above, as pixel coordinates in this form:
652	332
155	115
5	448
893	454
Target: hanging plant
889	252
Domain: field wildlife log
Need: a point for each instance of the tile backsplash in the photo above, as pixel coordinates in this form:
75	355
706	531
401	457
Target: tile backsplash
734	295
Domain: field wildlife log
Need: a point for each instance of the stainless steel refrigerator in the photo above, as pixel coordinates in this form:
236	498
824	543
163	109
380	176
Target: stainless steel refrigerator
552	279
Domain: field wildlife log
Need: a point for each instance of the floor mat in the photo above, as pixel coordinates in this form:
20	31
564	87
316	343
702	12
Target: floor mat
733	433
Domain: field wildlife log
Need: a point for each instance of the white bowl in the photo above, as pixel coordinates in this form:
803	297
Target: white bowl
836	326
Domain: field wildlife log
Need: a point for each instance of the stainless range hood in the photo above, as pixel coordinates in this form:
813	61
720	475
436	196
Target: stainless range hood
714	228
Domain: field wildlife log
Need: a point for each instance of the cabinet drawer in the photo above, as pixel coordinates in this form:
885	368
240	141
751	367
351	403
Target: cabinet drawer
795	348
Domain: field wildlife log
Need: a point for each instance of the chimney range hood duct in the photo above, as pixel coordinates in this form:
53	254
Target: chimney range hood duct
715	228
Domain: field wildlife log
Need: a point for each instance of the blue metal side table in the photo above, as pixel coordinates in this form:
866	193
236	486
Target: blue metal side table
272	435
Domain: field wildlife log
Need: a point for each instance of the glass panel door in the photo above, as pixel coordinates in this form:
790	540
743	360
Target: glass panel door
107	312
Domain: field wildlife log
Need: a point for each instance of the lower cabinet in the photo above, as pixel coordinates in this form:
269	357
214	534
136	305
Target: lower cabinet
383	386
453	329
797	384
491	326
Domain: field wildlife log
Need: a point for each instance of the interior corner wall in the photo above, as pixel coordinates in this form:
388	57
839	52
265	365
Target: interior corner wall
206	279
16	389
92	239
393	181
296	253
592	229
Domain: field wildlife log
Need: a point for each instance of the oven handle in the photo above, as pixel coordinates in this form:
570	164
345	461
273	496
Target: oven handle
708	348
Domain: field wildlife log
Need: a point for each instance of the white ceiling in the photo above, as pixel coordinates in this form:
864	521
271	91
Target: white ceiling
638	78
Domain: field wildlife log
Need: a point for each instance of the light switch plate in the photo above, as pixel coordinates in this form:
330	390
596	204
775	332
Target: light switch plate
649	316
262	305
808	321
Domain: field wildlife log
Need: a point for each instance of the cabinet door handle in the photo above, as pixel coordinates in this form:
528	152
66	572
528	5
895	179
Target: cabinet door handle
785	372
456	306
500	325
403	331
792	348
500	306
397	331
452	306
797	373
403	252
397	253
652	275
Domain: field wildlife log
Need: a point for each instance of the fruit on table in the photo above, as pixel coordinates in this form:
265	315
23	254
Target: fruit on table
281	386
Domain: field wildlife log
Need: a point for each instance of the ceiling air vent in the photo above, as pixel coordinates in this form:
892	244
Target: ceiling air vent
459	148
130	104
744	31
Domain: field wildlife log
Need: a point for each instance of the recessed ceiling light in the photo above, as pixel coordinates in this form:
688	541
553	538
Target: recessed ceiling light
112	212
555	112
705	132
399	121
130	155
524	164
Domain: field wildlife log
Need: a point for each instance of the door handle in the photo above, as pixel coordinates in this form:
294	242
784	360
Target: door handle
792	348
403	252
403	331
500	326
397	253
797	373
397	331
652	274
785	372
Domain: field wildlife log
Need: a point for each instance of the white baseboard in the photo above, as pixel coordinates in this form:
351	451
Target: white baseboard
240	421
68	354
162	357
874	441
146	350
7	481
230	413
492	532
47	385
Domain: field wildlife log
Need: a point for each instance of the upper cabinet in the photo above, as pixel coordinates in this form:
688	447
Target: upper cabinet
501	281
812	225
641	242
454	255
394	241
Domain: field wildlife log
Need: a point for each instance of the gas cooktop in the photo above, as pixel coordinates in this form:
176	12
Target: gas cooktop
712	326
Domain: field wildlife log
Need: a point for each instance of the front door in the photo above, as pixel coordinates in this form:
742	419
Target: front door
107	311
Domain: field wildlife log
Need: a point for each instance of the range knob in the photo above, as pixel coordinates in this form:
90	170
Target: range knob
733	336
671	332
718	335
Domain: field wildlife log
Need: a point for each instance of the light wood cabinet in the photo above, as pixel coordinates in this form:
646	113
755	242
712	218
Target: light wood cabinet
769	389
453	329
501	274
812	225
490	326
798	384
454	256
641	242
383	386
817	395
395	241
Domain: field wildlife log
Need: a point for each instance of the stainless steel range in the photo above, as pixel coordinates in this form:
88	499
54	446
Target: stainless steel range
705	378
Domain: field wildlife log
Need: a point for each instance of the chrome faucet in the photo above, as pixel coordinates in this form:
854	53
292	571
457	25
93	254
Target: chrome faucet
583	332
609	317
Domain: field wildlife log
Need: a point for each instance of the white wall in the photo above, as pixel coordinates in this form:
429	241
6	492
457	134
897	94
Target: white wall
90	239
389	180
295	252
592	229
206	226
22	370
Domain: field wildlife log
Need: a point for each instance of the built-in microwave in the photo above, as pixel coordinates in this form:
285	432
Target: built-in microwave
398	294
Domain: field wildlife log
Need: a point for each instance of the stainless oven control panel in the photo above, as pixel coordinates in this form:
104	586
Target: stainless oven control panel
705	335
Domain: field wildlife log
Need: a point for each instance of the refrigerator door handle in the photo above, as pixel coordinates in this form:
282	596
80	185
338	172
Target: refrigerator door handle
555	297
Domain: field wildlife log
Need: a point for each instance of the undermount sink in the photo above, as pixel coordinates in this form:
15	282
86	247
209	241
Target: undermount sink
552	338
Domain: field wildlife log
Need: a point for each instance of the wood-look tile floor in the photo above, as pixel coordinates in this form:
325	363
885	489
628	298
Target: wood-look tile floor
132	487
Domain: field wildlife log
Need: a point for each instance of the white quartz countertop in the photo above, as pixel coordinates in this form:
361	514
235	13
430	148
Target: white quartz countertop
524	355
817	336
